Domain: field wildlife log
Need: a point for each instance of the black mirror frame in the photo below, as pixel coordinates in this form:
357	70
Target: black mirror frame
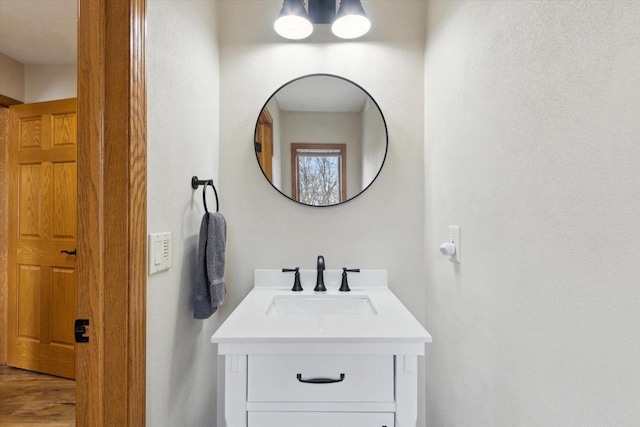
384	121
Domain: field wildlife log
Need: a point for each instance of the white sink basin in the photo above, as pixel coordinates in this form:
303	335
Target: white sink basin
320	305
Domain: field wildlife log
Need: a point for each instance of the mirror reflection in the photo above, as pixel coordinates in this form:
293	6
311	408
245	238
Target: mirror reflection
321	140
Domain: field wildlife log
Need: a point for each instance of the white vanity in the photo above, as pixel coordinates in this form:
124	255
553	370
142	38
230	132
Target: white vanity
339	359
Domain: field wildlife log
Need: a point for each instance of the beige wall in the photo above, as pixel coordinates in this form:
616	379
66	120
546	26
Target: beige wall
48	82
11	78
532	123
37	82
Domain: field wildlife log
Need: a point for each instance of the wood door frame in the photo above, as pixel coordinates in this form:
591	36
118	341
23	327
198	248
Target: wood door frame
5	103
112	213
265	157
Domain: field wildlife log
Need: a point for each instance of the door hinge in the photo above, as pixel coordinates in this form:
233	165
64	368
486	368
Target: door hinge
82	330
257	146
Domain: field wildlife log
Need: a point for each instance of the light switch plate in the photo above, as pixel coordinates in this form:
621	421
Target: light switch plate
159	251
454	237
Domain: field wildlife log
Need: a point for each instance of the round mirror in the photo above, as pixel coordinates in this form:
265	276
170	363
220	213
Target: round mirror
321	140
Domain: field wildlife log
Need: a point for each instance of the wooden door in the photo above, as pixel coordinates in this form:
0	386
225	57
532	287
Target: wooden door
264	137
42	224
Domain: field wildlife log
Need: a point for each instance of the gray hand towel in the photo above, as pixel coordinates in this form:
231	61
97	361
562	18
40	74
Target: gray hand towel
210	286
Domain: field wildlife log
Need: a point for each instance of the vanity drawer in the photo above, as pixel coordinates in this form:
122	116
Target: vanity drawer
320	419
290	378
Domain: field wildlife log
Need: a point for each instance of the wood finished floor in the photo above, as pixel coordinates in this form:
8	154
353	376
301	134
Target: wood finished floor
30	399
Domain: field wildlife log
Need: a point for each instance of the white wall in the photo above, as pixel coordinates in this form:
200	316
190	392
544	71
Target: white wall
374	142
532	124
183	114
11	78
383	227
323	128
48	82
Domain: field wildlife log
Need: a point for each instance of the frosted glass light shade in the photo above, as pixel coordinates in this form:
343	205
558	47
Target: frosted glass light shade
293	27
351	22
351	26
293	22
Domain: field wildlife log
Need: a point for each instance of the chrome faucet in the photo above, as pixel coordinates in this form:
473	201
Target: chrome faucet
320	278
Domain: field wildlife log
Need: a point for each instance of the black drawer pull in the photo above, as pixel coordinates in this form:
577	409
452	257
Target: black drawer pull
73	252
320	380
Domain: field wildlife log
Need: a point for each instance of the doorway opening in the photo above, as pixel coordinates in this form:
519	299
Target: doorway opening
38	198
111	233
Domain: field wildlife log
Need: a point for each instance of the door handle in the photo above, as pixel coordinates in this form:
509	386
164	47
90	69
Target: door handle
73	252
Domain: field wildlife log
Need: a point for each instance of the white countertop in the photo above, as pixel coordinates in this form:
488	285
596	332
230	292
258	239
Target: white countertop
250	324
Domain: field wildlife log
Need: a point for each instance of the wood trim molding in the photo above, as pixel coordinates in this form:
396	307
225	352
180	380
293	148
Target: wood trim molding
5	101
4	229
112	212
89	366
265	116
137	214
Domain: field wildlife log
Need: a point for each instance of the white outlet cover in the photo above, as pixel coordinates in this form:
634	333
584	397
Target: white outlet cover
454	237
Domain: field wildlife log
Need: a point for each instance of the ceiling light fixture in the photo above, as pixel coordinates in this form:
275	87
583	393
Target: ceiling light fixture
349	23
293	22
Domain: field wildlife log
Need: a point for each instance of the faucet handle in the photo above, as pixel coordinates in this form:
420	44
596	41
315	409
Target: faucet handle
344	286
297	287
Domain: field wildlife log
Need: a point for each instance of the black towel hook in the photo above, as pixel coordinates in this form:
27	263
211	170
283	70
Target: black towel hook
195	183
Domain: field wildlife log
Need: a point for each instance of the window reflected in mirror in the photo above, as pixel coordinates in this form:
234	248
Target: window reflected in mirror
319	173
